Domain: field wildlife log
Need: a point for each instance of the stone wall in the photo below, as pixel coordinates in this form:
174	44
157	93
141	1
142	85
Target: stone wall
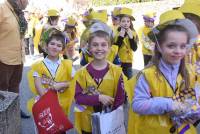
10	121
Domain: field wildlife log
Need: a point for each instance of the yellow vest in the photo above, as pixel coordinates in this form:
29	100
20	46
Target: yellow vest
193	59
110	57
192	56
131	120
156	124
125	52
108	87
114	28
36	39
144	40
63	74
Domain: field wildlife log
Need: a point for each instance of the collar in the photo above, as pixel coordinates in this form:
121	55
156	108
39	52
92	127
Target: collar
169	67
50	61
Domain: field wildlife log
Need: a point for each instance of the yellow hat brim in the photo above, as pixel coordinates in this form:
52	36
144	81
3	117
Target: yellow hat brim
170	16
190	8
122	15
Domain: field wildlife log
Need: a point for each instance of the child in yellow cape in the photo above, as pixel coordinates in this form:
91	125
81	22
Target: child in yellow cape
99	83
162	87
52	73
126	40
112	55
146	43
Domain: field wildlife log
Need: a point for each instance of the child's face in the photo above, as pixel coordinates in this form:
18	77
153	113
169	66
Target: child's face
99	48
54	47
149	23
54	20
173	49
115	21
125	22
69	29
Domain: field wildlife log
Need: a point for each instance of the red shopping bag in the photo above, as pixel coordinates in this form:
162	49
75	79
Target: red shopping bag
49	116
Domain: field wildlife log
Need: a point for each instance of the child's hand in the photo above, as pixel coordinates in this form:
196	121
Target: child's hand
122	32
130	33
179	108
106	100
60	86
57	86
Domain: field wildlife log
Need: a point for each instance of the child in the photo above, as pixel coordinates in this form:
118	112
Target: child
125	39
100	83
160	86
190	11
147	44
53	73
71	32
52	22
115	18
92	18
112	56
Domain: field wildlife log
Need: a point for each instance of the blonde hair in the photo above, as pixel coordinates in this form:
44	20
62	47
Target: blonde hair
101	34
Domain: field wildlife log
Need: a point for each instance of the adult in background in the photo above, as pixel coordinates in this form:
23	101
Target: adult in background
12	28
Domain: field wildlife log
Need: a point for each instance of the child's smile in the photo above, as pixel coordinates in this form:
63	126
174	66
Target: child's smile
54	47
99	48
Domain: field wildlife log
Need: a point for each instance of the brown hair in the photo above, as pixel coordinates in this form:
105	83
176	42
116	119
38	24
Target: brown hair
74	33
131	26
161	37
58	36
194	18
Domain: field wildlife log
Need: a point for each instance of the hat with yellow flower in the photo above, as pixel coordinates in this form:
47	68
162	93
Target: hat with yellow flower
86	16
175	17
71	21
191	6
124	11
53	12
149	16
115	12
99	15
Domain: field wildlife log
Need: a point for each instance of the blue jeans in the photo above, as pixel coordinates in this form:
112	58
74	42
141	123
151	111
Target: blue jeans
128	72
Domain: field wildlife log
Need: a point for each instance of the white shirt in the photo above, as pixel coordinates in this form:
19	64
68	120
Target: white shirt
52	66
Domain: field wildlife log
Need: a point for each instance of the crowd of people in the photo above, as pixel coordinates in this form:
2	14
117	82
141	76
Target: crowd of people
158	95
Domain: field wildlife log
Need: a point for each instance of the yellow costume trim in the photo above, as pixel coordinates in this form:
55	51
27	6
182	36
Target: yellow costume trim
63	74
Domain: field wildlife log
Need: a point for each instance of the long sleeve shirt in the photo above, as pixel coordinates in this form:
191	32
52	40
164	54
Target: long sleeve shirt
144	103
133	42
93	100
